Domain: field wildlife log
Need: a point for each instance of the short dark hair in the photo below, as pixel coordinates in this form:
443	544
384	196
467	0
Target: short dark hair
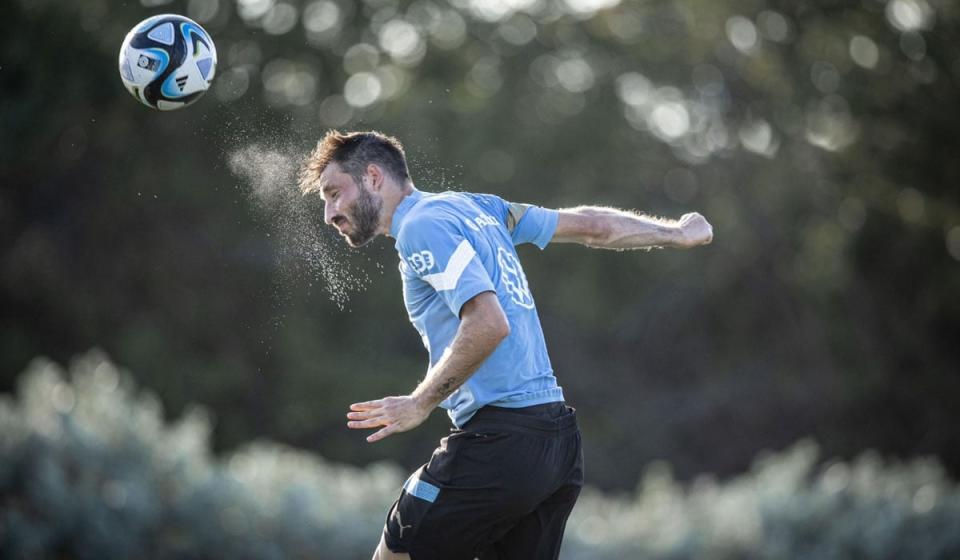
354	151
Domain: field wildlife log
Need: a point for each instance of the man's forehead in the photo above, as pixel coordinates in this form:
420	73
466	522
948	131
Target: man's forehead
332	177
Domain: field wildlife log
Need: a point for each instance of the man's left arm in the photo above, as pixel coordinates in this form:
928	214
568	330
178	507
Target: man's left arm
610	228
603	227
483	325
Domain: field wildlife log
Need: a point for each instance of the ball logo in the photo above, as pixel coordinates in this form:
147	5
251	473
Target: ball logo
148	63
513	278
422	261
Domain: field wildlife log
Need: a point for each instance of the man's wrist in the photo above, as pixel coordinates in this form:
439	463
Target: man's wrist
675	235
422	402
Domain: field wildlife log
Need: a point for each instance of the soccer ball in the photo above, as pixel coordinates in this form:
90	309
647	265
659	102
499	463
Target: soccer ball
167	61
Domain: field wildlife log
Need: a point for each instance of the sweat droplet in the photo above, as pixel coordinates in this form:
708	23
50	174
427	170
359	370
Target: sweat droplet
269	175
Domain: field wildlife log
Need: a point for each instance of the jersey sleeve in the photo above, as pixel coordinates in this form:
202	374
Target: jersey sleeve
440	253
531	224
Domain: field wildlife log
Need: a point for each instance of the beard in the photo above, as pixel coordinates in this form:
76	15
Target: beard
366	210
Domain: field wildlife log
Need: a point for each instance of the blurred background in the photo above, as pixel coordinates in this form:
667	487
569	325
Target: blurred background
817	136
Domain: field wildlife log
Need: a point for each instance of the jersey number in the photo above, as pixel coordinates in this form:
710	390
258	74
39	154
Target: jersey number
513	278
422	261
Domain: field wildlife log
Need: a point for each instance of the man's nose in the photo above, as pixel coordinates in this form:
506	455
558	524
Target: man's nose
328	213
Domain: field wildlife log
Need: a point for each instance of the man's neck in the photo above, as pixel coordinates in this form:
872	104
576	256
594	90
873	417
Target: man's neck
392	205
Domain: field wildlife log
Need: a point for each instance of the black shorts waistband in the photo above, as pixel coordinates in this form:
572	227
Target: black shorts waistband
549	419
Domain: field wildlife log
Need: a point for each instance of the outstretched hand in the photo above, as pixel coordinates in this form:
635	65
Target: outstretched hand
395	414
695	230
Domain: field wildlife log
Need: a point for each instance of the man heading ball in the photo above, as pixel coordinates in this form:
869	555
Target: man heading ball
504	482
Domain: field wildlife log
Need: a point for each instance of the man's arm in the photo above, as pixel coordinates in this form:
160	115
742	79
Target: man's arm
609	228
483	325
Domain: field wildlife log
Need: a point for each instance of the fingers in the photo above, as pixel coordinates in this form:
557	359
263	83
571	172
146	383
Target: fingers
370	423
364	415
369	405
377	436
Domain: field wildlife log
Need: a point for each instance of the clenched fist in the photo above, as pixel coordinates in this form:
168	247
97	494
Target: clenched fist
694	230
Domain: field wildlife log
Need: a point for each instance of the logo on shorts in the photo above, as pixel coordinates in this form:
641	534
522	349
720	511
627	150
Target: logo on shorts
400	523
513	278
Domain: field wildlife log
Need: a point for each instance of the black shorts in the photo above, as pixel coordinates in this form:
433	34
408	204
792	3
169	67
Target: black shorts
500	488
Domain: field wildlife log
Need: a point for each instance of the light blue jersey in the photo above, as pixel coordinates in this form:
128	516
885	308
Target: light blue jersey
454	246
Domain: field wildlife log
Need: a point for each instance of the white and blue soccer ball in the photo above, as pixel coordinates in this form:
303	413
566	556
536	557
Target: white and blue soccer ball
167	61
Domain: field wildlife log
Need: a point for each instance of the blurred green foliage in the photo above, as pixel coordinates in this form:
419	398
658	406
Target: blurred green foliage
818	136
92	470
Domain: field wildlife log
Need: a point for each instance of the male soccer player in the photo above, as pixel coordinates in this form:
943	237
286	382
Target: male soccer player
504	482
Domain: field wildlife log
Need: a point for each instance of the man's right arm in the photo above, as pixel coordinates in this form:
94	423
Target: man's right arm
609	228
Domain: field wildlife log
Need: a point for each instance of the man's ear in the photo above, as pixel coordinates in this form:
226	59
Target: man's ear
376	176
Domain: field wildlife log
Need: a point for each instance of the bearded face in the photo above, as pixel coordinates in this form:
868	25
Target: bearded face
350	205
364	217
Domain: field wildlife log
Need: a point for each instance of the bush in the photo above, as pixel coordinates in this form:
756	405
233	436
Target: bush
785	507
91	470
